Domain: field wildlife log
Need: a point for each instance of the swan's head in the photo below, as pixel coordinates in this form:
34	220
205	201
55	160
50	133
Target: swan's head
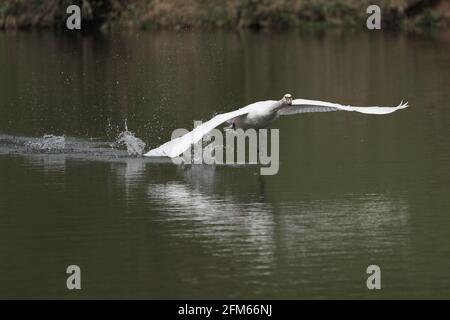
287	99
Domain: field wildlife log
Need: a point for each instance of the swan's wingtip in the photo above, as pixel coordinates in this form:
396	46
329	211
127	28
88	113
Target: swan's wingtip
153	153
161	153
403	105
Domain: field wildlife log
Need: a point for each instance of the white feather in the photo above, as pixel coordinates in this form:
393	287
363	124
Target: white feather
179	145
303	106
258	113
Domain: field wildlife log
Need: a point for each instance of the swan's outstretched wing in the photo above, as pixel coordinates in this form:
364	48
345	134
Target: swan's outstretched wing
179	145
303	106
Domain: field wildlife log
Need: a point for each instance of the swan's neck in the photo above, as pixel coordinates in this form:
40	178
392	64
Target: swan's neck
277	106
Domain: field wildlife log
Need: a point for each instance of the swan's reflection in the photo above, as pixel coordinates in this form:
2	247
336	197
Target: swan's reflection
130	172
196	211
200	176
130	169
362	223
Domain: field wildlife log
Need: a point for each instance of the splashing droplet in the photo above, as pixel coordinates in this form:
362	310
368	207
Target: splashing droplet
48	143
134	145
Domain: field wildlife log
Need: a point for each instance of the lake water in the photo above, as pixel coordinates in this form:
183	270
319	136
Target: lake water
352	190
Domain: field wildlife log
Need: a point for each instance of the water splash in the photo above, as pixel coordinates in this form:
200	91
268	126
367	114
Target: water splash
133	144
48	143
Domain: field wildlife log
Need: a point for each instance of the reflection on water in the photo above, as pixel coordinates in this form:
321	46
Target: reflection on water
373	222
47	164
219	217
352	190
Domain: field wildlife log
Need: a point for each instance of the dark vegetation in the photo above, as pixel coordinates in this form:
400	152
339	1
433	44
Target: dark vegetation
176	14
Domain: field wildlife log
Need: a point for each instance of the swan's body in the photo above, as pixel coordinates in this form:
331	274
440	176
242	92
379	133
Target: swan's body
259	115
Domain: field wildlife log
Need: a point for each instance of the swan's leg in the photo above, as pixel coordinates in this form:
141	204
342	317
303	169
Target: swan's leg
231	127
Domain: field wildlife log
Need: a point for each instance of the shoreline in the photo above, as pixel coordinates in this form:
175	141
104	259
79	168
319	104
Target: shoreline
229	15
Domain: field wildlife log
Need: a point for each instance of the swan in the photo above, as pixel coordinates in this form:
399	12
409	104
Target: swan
259	115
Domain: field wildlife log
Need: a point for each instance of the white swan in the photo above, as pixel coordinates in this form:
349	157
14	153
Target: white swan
259	115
